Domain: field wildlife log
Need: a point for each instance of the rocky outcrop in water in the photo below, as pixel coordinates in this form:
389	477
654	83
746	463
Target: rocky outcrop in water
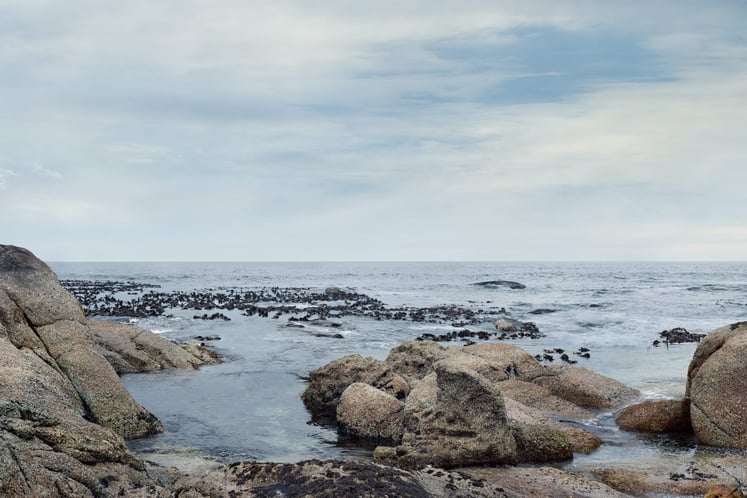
501	283
64	414
717	387
482	404
666	415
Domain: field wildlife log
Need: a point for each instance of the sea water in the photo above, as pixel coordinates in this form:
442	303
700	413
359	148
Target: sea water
249	407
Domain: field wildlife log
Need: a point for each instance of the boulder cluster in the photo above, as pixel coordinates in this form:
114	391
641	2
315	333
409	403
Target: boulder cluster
490	403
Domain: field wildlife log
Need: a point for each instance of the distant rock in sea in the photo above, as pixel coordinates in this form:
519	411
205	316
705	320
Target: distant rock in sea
501	283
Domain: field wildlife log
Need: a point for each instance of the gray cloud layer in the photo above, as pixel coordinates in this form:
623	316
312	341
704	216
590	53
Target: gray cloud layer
338	130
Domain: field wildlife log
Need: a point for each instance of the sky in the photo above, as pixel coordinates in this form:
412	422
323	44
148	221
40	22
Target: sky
289	130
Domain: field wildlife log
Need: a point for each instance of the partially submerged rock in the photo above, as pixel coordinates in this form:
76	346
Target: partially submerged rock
668	415
327	384
131	349
717	387
501	283
586	388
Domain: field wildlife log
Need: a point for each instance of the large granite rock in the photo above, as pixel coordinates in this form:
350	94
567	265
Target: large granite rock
369	413
717	387
64	414
461	420
38	312
327	384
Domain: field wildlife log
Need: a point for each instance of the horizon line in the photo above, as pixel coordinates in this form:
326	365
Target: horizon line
356	261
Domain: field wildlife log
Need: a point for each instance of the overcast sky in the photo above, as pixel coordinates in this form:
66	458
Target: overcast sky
390	130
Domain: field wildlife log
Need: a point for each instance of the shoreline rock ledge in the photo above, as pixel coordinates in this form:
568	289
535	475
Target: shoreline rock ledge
64	414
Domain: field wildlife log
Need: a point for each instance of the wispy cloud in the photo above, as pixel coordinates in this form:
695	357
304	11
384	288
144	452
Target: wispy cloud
372	133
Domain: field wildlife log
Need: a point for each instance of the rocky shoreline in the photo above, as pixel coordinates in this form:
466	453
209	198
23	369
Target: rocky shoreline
483	411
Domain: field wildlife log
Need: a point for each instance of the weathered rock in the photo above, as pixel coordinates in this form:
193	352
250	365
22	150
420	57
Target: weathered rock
585	388
537	439
63	410
315	478
717	387
131	349
511	359
326	384
540	398
465	424
542	482
456	413
668	415
675	476
369	413
503	325
541	439
34	287
413	360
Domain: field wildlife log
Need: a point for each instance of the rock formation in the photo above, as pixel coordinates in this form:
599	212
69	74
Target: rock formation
717	387
64	414
666	415
482	404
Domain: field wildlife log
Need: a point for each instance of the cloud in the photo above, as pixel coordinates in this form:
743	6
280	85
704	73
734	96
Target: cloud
373	132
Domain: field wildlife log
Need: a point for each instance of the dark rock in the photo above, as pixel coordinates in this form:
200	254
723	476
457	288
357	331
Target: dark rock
678	335
542	311
501	283
317	479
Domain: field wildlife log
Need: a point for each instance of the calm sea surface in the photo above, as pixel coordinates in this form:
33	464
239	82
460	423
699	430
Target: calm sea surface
250	407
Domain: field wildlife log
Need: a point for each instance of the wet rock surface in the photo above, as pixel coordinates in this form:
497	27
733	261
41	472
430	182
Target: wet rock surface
677	335
544	482
510	284
683	477
315	478
670	415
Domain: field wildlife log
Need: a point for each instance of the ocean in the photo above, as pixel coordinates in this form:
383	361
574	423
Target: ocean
249	407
